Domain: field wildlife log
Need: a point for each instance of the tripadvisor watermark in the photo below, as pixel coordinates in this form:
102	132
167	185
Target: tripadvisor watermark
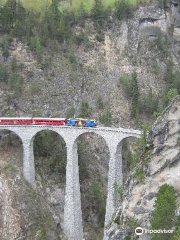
159	231
140	231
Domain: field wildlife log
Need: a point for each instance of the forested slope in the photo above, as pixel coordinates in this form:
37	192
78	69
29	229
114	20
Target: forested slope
119	65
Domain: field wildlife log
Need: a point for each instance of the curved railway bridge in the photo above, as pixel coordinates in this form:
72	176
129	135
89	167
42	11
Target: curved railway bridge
72	210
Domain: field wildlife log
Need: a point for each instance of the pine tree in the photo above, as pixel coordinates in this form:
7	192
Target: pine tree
10	12
13	15
38	50
97	12
20	23
14	64
20	12
85	111
44	30
149	104
123	9
135	94
164	214
53	18
4	75
82	14
5	54
169	75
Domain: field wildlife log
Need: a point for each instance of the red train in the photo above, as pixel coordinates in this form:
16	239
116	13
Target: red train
76	122
35	121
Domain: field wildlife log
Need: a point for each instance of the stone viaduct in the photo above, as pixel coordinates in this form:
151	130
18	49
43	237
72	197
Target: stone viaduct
72	210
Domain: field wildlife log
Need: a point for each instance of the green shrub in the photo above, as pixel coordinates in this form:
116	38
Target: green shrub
16	82
4	75
84	111
100	104
35	88
125	82
149	103
82	14
97	10
159	41
6	41
106	117
83	161
5	54
32	43
134	94
52	163
170	95
131	223
140	147
162	3
100	37
49	145
139	175
98	200
131	88
176	82
30	74
156	68
96	192
169	75
13	63
38	49
164	214
126	156
42	234
123	9
70	112
18	86
172	83
101	216
172	77
72	58
10	169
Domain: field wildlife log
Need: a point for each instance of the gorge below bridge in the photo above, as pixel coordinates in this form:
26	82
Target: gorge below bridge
73	226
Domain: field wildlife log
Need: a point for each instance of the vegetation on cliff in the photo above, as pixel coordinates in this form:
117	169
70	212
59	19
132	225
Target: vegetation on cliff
52	28
164	215
51	22
56	29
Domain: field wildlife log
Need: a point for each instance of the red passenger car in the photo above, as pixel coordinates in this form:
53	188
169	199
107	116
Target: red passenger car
49	121
34	121
13	121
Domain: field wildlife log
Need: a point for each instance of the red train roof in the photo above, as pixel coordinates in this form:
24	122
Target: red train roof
29	118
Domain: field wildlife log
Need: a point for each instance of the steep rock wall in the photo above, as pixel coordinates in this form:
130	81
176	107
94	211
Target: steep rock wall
92	68
163	166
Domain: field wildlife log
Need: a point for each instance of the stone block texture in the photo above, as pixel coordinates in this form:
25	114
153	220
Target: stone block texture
72	210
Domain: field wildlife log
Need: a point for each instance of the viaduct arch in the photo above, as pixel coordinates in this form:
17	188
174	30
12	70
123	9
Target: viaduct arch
72	210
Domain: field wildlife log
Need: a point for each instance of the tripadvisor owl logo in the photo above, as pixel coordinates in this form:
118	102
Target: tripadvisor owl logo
139	231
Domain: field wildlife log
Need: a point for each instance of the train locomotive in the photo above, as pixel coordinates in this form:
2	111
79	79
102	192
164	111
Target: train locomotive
75	122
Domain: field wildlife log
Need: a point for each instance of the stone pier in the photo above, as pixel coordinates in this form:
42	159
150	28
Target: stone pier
73	227
72	210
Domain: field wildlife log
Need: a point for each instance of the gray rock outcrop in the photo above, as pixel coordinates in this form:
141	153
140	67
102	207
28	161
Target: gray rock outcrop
163	166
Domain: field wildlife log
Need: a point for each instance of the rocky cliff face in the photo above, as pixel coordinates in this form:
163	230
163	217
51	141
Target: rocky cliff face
25	213
35	213
85	72
92	68
162	166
